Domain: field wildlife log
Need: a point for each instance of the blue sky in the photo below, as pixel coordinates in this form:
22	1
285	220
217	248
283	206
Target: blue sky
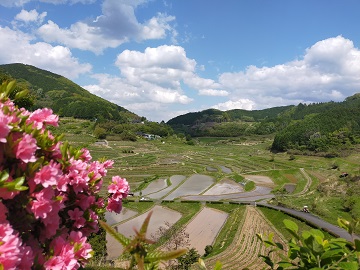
164	58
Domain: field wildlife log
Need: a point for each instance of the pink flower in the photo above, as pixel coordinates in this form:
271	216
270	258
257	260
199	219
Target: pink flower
85	201
48	175
81	248
85	156
10	243
27	258
4	126
64	257
77	216
5	193
3	212
114	205
25	149
119	188
42	205
43	116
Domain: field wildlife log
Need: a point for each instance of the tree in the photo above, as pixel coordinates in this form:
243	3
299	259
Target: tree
174	236
100	133
186	260
208	250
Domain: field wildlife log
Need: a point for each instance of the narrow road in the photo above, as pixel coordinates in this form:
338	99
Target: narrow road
315	221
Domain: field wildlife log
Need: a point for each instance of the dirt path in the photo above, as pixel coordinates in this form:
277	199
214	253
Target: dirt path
243	251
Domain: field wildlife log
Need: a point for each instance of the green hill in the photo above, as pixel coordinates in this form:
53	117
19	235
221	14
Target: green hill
324	127
232	123
62	95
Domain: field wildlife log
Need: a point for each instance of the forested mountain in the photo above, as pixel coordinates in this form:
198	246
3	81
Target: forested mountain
62	95
319	127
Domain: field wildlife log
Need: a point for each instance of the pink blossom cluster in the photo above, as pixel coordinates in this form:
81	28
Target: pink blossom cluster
49	193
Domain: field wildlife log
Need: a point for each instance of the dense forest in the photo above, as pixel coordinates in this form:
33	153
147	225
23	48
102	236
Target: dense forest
319	128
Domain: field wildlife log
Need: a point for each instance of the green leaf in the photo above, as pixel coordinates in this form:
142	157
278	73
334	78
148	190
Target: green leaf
10	87
279	245
357	244
4	175
292	228
122	239
331	253
158	255
291	225
145	224
21	94
317	233
285	264
349	265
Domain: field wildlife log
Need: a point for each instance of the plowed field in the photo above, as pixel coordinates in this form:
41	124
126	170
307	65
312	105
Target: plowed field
245	248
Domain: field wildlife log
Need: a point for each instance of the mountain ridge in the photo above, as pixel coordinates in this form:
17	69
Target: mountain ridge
63	96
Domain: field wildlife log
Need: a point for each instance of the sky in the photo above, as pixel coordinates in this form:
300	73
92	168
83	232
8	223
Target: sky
164	58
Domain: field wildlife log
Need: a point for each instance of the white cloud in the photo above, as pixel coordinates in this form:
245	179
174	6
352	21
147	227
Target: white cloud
16	47
329	70
245	104
30	16
157	27
116	25
13	3
155	76
20	3
212	92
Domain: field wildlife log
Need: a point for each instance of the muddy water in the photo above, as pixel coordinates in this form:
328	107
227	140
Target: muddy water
194	185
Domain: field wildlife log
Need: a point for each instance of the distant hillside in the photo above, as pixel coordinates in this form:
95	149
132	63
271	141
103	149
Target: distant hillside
230	123
213	115
62	95
324	127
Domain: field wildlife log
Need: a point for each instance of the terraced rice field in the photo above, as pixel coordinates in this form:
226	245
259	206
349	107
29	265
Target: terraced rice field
159	217
204	228
245	248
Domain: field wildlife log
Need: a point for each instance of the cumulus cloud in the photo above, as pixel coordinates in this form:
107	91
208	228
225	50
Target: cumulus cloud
20	3
13	3
116	25
245	104
213	92
30	16
16	47
329	70
155	76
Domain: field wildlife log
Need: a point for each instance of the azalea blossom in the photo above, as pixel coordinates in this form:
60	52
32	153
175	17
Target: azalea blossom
4	126
51	195
48	175
25	149
42	116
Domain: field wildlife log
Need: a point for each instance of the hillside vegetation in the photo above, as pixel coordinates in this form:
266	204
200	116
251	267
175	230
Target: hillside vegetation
66	98
319	128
